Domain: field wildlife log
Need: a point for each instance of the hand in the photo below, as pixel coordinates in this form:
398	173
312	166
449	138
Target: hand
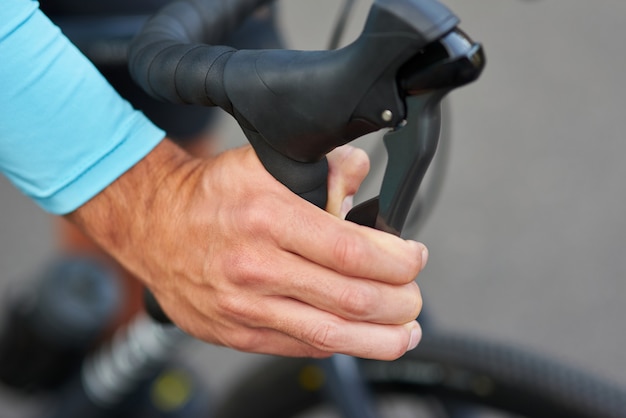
236	259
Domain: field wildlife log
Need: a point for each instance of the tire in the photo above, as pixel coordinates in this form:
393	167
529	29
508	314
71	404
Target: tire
444	375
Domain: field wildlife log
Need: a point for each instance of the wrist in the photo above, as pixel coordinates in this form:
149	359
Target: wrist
119	218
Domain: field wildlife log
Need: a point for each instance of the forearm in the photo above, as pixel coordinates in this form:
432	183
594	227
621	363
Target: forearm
121	218
65	134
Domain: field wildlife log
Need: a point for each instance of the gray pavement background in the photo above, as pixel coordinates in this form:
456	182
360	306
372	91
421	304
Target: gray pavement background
528	243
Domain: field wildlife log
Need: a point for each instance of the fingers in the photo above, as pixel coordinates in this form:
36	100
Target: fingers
262	271
239	335
346	297
351	249
330	334
288	327
268	341
315	314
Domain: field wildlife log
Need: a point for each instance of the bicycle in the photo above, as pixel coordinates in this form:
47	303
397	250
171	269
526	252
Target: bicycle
447	372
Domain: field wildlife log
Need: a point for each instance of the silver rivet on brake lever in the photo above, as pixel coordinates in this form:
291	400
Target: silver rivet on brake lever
387	115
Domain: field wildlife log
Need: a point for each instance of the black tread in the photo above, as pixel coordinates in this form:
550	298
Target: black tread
450	368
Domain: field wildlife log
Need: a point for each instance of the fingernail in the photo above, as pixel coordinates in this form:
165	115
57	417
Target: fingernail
416	336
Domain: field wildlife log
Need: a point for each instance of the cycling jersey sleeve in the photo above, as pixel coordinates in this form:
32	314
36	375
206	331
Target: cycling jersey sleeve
65	134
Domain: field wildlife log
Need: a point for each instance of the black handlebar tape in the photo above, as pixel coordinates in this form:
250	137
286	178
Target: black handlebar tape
294	106
174	57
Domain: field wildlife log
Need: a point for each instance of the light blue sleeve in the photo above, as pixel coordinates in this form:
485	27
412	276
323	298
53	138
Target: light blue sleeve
65	134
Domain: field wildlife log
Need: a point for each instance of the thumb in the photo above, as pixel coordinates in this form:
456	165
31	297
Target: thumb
347	168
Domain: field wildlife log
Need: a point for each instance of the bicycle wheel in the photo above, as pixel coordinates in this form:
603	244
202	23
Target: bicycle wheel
444	375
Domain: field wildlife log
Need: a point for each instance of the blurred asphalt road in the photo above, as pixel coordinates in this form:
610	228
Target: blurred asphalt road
528	242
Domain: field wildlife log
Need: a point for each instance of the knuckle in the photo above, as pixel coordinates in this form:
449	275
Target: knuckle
236	309
246	341
228	306
257	218
346	252
245	267
358	302
324	336
240	267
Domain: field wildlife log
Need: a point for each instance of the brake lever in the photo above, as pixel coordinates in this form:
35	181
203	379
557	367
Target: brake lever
451	62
